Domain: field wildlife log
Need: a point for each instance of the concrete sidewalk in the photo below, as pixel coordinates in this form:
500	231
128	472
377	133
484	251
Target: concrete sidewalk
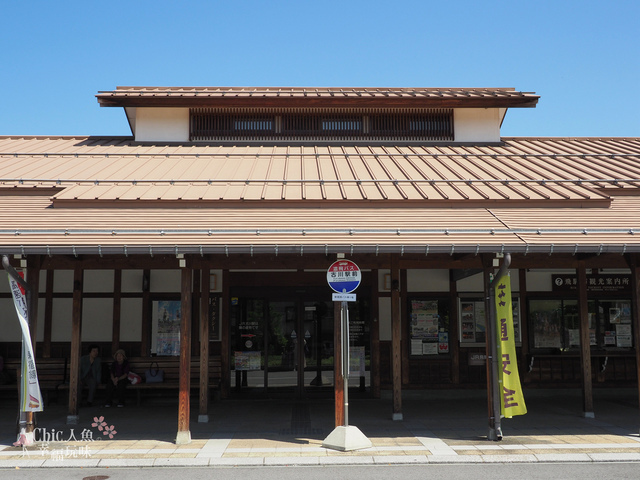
438	427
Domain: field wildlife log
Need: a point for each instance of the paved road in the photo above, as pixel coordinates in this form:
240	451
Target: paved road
618	471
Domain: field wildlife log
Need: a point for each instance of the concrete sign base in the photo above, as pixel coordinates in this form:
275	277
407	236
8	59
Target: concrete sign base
346	439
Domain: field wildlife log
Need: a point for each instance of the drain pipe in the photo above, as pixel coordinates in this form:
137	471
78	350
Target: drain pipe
495	427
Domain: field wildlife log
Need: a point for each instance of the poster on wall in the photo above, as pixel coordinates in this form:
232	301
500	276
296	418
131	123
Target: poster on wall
468	326
425	328
165	328
547	331
247	361
424	319
623	336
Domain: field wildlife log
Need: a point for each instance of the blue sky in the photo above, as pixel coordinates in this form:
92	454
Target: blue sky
581	57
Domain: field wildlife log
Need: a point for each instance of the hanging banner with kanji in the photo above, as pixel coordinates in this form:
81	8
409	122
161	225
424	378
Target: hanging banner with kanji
512	399
30	396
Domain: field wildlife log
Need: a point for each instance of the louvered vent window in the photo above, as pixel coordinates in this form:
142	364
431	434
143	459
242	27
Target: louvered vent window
210	124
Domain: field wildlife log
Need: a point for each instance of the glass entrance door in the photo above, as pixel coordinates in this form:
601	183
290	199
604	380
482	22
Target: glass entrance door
284	343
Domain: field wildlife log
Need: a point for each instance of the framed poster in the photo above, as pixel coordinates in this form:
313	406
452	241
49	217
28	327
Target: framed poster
473	320
428	326
165	327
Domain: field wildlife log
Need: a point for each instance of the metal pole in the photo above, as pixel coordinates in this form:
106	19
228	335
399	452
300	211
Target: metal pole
26	420
345	359
495	433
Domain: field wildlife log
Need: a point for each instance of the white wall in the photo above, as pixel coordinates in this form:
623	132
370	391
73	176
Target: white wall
162	124
477	124
97	319
165	281
132	281
63	281
61	319
131	320
433	280
98	281
475	283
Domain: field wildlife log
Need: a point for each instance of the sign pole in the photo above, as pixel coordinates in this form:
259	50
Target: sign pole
343	277
345	360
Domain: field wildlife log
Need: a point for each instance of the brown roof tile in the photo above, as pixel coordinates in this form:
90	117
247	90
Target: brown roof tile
285	96
528	193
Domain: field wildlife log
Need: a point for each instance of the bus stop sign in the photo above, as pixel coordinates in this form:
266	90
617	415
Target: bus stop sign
343	276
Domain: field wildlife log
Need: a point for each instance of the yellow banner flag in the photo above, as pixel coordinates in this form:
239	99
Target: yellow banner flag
512	401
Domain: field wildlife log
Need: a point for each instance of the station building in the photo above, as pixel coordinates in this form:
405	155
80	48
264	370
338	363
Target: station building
206	235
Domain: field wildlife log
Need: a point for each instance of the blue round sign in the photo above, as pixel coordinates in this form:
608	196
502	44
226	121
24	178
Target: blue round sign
343	276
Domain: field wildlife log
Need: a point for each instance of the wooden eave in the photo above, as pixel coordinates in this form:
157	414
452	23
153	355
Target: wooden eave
333	102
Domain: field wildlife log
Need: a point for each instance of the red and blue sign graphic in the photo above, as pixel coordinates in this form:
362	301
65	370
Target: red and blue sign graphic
344	276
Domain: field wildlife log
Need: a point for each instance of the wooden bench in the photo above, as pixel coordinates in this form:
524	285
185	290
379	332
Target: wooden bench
52	372
171	368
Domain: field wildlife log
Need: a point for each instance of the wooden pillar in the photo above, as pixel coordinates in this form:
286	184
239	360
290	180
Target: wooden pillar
405	341
203	416
338	382
524	320
585	342
454	349
76	347
195	302
145	334
635	310
375	337
396	339
48	315
33	279
225	321
184	408
117	302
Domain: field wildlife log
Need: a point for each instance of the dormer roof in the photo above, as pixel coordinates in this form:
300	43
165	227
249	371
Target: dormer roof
320	97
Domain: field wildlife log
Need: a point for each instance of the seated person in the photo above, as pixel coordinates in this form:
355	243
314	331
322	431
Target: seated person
119	372
91	371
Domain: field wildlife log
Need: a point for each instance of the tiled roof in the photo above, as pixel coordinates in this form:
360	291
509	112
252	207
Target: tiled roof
528	194
235	96
522	169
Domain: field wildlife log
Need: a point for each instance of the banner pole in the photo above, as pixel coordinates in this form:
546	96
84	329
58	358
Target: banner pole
495	431
26	420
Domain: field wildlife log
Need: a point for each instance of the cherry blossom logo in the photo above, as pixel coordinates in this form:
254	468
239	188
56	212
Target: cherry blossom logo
102	426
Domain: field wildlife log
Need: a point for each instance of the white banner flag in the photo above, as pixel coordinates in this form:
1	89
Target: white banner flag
30	396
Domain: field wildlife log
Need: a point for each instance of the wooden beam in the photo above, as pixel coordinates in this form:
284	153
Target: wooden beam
585	342
76	345
145	334
117	303
33	279
184	407
48	315
405	342
224	323
524	321
195	326
454	350
396	339
375	337
205	283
